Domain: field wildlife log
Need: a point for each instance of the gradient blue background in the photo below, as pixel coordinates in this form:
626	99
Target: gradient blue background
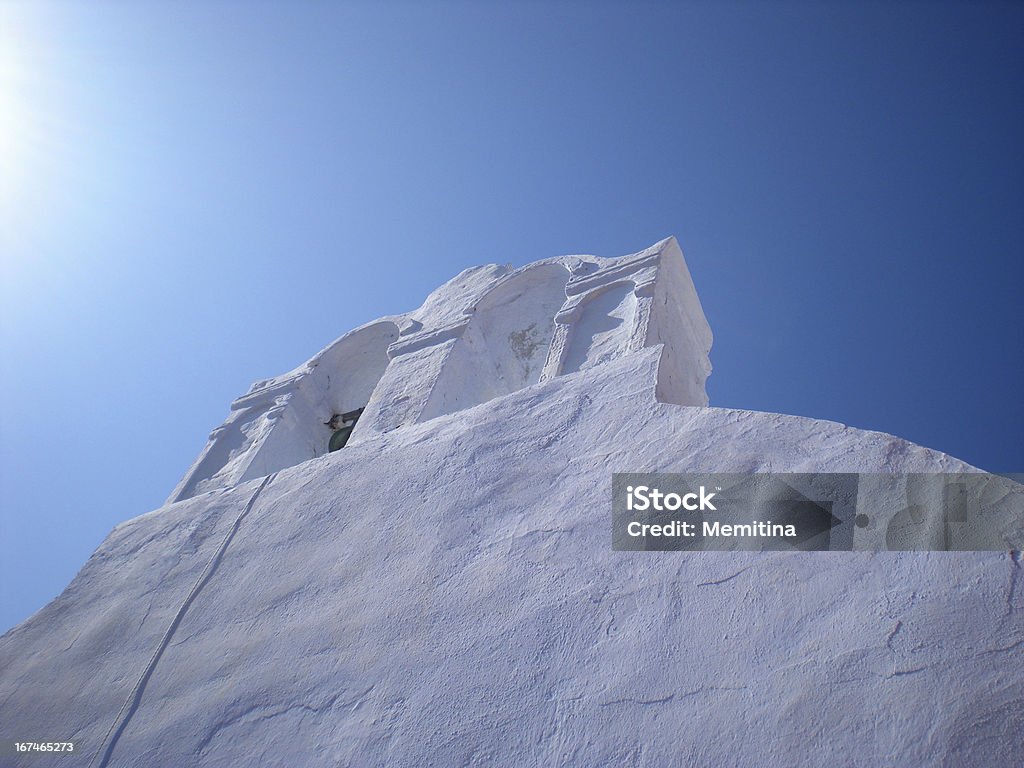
210	193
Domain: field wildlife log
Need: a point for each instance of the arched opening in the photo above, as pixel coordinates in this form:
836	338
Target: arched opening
336	389
505	345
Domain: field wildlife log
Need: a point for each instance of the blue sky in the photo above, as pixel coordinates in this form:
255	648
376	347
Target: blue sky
197	195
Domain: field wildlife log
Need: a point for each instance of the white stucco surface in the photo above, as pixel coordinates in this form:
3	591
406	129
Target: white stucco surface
443	591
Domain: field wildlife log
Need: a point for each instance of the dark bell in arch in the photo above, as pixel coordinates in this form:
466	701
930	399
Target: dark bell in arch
341	424
338	439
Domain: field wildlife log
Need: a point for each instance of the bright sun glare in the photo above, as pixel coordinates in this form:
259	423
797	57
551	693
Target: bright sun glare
14	117
20	129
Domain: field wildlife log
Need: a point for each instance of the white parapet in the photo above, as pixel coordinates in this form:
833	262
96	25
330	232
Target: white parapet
486	333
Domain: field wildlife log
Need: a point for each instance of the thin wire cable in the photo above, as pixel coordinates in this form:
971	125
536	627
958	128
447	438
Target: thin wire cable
136	693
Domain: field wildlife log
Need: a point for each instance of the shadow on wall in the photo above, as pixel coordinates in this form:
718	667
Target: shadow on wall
603	329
